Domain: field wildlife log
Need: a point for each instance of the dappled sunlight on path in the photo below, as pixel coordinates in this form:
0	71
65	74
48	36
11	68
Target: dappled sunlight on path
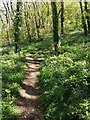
29	93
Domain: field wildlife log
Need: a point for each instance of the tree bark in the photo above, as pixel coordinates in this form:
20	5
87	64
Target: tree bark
62	17
83	19
7	23
55	25
37	26
18	25
27	23
87	16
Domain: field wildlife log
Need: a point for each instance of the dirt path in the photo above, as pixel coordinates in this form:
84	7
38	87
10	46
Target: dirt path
30	94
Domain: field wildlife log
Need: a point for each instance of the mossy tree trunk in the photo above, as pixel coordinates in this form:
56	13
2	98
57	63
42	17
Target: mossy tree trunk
87	16
55	25
83	19
18	25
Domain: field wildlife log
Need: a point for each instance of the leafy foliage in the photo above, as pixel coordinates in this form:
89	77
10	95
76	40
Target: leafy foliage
12	75
65	84
65	78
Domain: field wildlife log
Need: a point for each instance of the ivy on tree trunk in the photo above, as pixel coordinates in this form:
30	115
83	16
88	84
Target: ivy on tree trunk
55	25
18	25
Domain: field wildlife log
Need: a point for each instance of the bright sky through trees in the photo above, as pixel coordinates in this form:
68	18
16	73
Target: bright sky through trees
42	1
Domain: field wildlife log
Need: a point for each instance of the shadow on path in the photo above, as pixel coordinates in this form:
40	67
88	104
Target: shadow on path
29	93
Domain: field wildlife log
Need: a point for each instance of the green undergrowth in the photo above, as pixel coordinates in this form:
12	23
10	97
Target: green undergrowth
12	76
64	78
74	38
40	48
65	83
13	72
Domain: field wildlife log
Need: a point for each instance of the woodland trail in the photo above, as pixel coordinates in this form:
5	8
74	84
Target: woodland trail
29	94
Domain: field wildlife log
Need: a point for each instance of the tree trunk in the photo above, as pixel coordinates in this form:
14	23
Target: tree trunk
87	16
83	19
55	25
18	25
62	17
27	24
37	26
7	23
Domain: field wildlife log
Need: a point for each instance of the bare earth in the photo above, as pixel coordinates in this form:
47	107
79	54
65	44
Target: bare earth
29	94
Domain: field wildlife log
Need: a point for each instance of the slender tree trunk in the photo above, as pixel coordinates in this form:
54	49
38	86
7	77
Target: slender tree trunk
83	19
28	30
87	16
55	25
11	5
2	20
10	11
7	22
27	24
29	35
47	20
62	17
76	20
37	26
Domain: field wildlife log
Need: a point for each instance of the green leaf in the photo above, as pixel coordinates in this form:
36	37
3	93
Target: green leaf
7	91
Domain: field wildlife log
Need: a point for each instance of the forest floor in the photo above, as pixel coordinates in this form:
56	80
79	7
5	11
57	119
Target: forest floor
29	98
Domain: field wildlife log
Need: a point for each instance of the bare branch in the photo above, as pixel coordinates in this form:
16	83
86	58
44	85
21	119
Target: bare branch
1	19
